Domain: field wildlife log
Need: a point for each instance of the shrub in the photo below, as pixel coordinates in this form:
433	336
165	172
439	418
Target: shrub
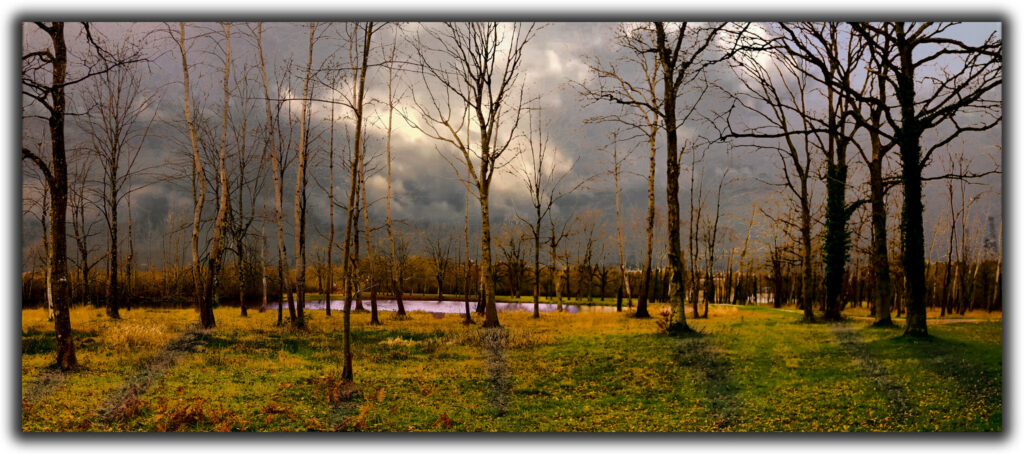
127	336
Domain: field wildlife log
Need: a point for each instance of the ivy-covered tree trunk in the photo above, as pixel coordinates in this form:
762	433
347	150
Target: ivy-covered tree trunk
912	222
836	236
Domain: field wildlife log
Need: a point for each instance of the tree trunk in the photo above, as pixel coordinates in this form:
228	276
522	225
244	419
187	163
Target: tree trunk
278	169
239	244
350	221
199	177
358	294
216	247
677	300
882	292
113	289
618	235
467	282
129	268
912	222
490	310
836	237
396	284
47	251
58	184
300	191
645	288
263	261
836	248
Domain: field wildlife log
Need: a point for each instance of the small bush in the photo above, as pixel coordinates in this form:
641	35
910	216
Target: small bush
398	342
443	422
127	336
129	407
177	415
338	390
664	319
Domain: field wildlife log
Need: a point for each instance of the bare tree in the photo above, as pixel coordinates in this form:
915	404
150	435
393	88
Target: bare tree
711	237
467	262
545	180
478	64
279	164
371	256
439	249
44	80
612	84
203	305
832	54
590	247
512	245
43	215
83	226
697	204
331	244
617	162
117	132
213	283
51	96
559	230
776	93
683	53
358	99
880	148
300	185
969	81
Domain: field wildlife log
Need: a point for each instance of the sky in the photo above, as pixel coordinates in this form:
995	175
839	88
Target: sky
427	191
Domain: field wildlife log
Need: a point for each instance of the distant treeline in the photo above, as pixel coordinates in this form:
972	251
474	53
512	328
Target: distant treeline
952	288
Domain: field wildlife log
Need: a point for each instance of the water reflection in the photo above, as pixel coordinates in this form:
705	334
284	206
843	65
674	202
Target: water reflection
454	307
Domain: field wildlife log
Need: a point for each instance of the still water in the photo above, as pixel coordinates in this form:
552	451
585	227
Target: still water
453	307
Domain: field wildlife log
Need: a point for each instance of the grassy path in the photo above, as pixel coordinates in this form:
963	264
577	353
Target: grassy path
123	403
495	341
700	354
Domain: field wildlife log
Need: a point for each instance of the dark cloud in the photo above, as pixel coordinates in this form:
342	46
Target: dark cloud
426	189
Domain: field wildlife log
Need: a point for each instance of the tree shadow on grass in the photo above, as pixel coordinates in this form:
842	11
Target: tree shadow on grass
39	342
48	380
883	379
954	360
698	353
495	342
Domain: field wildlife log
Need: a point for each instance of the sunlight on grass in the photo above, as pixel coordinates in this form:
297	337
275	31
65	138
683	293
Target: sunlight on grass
752	369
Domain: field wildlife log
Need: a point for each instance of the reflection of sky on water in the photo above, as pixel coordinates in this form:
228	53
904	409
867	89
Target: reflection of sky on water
454	307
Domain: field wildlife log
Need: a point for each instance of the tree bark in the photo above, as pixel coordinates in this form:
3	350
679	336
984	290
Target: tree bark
912	222
217	244
300	191
490	309
199	177
618	231
645	289
350	221
677	300
278	169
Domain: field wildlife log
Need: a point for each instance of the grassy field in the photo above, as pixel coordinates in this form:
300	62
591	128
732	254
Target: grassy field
751	369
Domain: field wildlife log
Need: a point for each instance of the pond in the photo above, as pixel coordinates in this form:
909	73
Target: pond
451	307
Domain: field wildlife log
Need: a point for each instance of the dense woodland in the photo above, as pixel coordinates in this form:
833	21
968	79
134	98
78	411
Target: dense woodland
857	117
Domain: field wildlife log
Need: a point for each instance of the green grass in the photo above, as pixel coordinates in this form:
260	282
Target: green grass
751	369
